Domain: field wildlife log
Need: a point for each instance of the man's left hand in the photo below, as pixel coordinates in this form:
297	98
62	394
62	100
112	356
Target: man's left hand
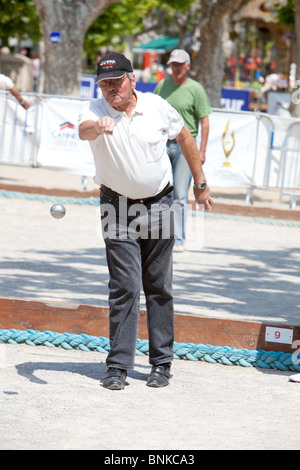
203	197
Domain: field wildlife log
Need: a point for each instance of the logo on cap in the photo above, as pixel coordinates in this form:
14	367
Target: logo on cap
108	63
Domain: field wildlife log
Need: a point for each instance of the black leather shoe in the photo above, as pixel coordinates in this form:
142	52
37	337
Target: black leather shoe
159	375
115	379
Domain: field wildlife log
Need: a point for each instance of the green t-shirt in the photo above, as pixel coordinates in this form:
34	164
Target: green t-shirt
189	99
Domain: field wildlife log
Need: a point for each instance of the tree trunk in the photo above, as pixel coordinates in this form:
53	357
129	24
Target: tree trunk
208	65
69	19
295	102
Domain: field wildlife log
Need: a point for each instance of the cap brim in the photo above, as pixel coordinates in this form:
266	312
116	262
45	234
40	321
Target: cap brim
176	60
110	75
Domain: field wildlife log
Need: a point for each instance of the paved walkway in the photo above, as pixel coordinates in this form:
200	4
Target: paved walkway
233	268
52	399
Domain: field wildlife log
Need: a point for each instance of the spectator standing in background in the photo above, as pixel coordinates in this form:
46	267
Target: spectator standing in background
7	84
190	100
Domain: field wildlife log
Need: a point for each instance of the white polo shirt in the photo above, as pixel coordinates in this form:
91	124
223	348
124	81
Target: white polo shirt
134	161
5	82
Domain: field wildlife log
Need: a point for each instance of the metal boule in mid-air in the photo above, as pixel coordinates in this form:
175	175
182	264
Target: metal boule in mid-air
58	211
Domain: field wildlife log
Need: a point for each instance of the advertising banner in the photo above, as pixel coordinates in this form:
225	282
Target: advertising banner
60	147
244	148
230	151
235	99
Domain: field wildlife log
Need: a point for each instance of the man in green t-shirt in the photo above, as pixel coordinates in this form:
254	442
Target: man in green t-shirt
189	98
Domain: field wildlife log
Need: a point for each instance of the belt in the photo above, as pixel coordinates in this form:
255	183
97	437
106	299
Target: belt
109	192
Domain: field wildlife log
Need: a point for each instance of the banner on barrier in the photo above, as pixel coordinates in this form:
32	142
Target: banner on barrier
230	151
243	149
60	146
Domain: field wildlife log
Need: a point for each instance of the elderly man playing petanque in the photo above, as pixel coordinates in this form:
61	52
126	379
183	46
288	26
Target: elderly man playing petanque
128	131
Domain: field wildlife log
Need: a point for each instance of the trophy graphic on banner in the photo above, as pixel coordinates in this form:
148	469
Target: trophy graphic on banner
228	142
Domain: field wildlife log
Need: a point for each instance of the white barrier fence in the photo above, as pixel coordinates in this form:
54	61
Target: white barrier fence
19	131
245	149
45	135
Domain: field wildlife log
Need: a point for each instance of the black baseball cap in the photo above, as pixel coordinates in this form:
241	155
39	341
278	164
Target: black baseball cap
113	65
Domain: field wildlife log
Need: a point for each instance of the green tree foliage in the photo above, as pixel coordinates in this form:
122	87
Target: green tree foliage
286	13
130	18
19	19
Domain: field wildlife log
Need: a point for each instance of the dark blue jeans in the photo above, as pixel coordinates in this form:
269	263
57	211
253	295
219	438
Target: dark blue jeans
139	243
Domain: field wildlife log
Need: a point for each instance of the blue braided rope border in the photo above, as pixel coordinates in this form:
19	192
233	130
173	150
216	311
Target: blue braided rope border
44	198
189	351
95	201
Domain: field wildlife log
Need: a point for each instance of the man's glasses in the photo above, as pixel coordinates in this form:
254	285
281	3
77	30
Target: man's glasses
114	82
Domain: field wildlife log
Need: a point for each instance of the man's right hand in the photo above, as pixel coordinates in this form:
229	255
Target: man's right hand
105	125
